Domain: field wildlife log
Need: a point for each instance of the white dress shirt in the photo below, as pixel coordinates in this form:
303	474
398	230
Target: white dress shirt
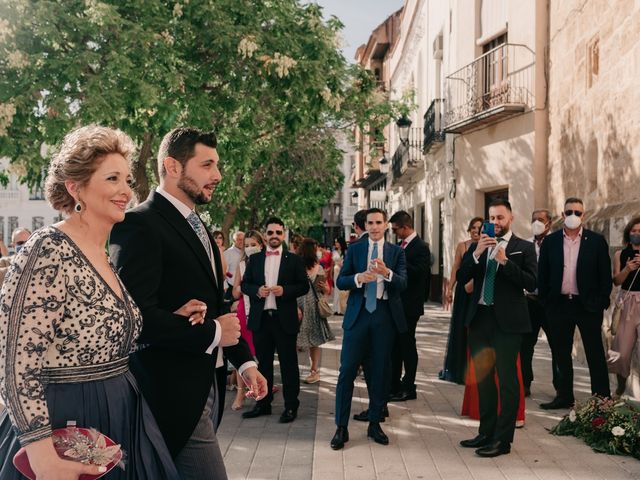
232	256
381	293
409	239
271	270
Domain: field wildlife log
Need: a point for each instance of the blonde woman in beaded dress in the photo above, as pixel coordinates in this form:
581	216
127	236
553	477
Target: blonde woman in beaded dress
67	324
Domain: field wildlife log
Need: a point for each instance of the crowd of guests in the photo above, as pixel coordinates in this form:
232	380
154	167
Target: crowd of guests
125	321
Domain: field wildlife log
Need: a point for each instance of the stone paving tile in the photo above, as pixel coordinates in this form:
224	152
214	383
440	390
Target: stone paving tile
424	433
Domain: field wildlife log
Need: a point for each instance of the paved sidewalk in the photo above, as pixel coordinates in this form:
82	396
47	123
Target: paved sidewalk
423	433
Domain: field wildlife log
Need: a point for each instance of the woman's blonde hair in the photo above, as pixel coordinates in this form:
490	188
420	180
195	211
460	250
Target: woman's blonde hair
79	157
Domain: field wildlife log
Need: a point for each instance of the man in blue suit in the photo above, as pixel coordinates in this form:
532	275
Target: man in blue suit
375	272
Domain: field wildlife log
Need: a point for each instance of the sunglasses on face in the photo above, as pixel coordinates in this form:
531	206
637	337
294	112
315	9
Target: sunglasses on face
577	213
274	232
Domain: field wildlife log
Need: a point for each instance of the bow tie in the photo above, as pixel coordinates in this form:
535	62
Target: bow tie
273	252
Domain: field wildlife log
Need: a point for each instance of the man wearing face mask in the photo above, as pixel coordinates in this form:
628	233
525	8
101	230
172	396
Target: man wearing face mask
574	284
18	238
540	227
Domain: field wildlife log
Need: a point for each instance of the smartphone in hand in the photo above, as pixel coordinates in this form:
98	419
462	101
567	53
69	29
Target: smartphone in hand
489	229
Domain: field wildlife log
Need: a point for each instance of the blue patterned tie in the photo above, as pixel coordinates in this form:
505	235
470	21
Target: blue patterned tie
372	287
198	227
490	281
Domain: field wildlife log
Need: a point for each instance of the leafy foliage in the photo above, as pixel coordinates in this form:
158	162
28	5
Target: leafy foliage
266	75
607	426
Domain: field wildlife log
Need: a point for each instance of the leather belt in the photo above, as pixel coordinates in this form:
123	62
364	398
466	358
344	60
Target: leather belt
271	313
570	296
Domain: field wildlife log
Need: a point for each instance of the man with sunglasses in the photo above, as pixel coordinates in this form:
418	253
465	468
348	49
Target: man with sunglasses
273	280
574	284
18	238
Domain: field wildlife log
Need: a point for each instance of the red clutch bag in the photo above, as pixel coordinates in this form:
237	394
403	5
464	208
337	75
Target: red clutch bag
85	445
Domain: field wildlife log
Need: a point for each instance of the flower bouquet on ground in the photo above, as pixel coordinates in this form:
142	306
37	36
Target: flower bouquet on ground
607	426
85	445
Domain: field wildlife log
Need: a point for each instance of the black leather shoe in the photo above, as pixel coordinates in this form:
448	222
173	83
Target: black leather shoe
340	438
527	391
363	416
257	411
374	431
402	396
557	403
494	449
476	442
288	416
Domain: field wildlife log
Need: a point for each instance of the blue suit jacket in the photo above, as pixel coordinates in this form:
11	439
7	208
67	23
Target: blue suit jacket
356	261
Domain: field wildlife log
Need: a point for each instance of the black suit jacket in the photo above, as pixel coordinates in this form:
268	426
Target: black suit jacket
292	276
517	275
164	265
593	270
418	259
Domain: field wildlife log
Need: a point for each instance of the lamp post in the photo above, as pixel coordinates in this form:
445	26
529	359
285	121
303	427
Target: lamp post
404	124
384	165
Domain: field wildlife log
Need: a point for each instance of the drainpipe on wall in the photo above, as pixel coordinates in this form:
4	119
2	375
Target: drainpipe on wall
541	110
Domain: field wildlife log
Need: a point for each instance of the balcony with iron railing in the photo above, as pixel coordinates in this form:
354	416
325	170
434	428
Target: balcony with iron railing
495	86
433	126
407	158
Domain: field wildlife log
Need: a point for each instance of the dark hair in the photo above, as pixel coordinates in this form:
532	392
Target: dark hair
573	200
501	202
216	233
542	210
307	251
180	143
377	210
275	220
474	220
343	245
360	219
626	234
402	219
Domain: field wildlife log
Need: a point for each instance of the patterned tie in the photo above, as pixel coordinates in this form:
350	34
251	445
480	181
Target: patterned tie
403	245
490	281
372	287
199	228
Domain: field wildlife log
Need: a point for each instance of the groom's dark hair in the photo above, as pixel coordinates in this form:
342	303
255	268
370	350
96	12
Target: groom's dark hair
180	143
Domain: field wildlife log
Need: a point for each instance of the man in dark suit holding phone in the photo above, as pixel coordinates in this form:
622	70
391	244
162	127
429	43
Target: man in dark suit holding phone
574	284
502	267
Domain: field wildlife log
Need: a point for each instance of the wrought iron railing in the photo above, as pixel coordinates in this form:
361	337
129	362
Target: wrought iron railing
433	127
409	153
504	75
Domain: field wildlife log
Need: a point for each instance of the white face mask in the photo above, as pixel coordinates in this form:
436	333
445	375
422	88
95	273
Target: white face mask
572	221
318	254
538	227
251	250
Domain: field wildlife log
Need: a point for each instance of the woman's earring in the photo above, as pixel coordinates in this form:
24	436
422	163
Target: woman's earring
78	207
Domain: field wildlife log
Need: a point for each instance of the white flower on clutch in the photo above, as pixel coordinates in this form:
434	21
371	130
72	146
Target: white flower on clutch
617	431
572	416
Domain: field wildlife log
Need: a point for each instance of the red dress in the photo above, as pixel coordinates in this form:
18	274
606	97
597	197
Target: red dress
471	401
244	331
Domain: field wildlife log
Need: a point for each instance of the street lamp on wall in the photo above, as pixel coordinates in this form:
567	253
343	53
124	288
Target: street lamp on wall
404	124
354	198
384	165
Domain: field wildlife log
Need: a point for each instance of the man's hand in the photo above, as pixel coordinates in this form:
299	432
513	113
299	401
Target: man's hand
378	267
501	256
278	290
256	383
195	310
264	291
230	326
485	242
366	277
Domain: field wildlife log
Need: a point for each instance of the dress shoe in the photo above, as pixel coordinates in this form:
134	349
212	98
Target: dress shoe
288	416
527	391
257	411
476	442
374	431
402	396
557	403
363	416
340	438
494	449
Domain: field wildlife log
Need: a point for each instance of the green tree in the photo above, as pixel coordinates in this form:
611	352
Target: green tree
267	76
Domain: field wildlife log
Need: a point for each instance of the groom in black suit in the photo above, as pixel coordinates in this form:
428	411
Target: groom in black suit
169	263
502	268
273	281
